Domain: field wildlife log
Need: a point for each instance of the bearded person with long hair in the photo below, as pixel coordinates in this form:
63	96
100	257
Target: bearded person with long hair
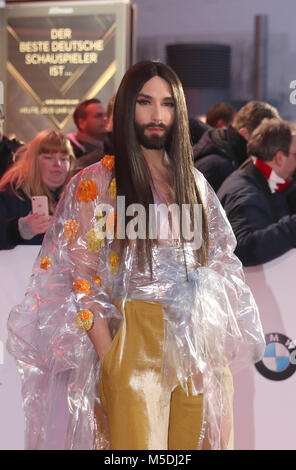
141	305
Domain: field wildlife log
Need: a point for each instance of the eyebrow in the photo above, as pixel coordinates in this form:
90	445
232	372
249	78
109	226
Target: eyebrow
143	95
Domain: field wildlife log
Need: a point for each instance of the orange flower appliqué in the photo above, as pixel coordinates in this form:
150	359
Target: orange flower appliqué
45	262
70	227
108	161
82	286
114	263
87	191
97	280
84	319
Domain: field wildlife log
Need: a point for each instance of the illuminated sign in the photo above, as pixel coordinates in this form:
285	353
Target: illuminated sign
54	62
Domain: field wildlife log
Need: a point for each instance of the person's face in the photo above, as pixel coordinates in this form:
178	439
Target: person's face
108	123
154	113
54	168
289	162
94	122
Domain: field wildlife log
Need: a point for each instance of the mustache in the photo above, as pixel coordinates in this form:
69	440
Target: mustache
153	124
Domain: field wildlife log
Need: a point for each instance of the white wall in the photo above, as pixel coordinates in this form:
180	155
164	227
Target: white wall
162	22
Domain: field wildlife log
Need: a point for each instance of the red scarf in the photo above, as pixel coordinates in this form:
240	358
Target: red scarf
275	182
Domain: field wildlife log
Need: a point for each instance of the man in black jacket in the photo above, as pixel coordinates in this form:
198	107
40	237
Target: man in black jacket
260	197
220	151
7	147
90	143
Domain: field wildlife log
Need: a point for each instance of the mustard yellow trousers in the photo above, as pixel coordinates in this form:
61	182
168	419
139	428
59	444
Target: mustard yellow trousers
142	413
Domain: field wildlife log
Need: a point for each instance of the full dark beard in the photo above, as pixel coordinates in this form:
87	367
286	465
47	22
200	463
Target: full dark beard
153	141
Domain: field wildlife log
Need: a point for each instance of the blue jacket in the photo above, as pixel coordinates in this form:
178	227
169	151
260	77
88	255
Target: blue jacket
11	209
263	222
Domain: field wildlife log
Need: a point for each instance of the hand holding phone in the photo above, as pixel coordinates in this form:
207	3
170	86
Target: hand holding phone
40	205
38	223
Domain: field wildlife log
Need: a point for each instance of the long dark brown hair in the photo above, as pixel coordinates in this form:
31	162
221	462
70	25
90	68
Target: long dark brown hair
132	173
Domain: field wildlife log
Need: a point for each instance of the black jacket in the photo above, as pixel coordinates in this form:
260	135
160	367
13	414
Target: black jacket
11	209
82	147
7	148
218	153
197	129
263	222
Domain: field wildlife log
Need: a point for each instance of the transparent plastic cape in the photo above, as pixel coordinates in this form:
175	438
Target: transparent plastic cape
210	317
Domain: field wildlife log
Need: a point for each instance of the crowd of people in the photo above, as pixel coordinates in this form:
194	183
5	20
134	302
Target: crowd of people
221	151
43	167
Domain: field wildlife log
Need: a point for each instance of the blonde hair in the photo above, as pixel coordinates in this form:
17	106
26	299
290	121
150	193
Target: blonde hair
24	174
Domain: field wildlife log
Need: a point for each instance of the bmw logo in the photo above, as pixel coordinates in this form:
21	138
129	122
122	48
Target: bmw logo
279	357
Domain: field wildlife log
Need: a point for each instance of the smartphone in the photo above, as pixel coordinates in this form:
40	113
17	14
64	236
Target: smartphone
40	205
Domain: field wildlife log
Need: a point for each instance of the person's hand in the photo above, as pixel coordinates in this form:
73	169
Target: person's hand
103	351
38	223
100	336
